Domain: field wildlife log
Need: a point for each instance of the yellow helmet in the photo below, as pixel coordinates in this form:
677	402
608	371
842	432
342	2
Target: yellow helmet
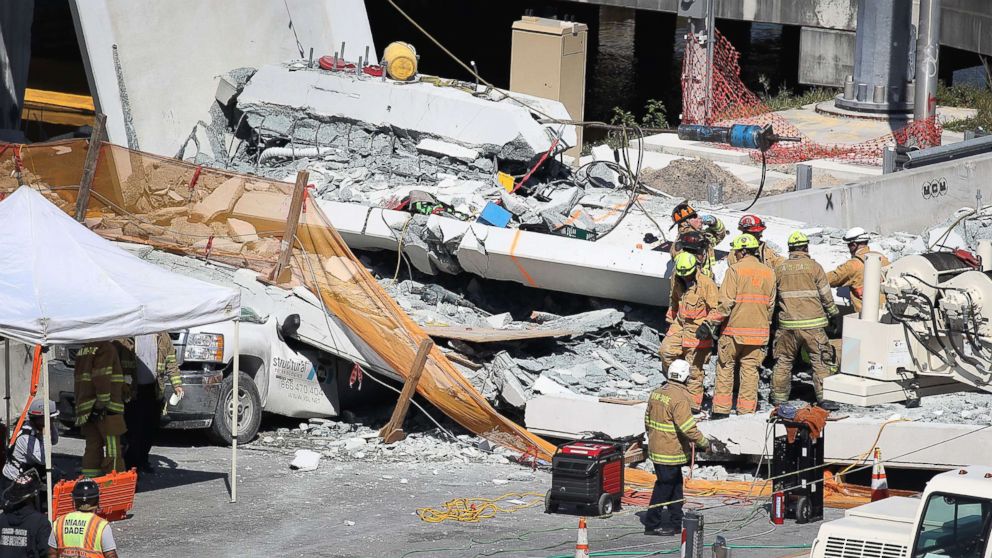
797	238
744	241
685	264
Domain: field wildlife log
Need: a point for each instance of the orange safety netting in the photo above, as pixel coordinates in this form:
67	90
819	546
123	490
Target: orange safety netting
199	211
734	103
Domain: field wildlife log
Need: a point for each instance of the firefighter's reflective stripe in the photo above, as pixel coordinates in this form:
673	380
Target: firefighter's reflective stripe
753	298
115	407
103	371
692	313
812	323
799	294
668	459
689	423
660	426
693	343
723	400
80	535
747	331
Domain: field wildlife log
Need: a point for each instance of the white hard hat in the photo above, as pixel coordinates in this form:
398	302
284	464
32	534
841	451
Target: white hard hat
678	371
856	234
37	408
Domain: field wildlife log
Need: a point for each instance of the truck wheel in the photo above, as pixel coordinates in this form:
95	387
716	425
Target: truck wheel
249	411
803	510
605	506
550	506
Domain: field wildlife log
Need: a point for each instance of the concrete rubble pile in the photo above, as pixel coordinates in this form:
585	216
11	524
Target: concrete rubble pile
355	441
377	151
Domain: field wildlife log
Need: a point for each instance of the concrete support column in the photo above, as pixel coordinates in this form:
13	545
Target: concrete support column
927	60
881	59
15	55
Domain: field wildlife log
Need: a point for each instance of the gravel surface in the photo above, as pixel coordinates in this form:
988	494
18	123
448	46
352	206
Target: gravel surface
357	509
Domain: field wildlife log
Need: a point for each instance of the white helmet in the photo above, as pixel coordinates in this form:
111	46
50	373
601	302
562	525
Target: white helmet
856	234
678	371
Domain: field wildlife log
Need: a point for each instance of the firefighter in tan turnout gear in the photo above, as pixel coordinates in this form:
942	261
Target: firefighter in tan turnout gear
851	273
805	306
99	383
747	300
694	296
670	427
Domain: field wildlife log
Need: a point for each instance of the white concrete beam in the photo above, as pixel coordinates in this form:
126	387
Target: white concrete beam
169	55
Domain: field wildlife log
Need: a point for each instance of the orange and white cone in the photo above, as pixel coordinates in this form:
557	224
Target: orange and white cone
879	482
582	542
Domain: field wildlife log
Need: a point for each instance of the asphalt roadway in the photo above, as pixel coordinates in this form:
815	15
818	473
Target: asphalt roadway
349	509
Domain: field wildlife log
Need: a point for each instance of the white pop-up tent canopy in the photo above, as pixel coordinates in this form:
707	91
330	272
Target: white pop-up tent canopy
61	283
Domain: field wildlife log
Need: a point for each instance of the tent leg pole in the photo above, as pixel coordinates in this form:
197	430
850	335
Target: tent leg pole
48	436
6	358
235	400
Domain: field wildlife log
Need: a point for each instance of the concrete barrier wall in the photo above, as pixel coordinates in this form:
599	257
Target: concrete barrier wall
907	201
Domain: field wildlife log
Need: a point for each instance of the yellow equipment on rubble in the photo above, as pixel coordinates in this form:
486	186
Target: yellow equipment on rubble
401	60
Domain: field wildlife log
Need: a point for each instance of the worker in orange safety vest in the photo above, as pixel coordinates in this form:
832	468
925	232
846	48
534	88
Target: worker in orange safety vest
82	533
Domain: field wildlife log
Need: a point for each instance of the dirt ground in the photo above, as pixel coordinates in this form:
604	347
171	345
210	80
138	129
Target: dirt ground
690	179
358	509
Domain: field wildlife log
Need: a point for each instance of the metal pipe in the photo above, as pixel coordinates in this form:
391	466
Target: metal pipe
872	288
710	47
48	432
985	253
927	59
6	398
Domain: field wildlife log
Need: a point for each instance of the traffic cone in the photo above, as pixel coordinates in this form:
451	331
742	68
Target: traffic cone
879	482
582	543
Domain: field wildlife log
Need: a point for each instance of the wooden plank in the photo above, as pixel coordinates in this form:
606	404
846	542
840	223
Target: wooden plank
492	335
40	98
281	272
393	431
89	166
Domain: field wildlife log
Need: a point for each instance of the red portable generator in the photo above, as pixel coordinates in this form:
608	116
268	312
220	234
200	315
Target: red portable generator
587	473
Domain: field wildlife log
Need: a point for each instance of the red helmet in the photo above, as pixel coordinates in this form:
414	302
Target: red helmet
751	224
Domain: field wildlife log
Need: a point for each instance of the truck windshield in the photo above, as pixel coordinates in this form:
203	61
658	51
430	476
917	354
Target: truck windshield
953	526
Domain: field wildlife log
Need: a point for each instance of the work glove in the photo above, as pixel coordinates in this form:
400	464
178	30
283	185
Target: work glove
704	331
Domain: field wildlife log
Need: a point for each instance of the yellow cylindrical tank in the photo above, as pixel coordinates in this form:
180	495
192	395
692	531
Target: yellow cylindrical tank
401	60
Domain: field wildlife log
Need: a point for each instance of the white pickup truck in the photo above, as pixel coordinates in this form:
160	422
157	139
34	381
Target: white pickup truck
951	519
295	361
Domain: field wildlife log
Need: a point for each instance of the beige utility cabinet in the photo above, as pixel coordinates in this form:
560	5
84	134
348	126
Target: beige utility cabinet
549	61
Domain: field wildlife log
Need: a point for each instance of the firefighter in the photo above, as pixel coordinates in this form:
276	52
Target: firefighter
694	296
754	226
82	533
688	221
714	229
670	427
24	531
697	244
154	361
747	301
805	306
851	273
28	452
99	381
